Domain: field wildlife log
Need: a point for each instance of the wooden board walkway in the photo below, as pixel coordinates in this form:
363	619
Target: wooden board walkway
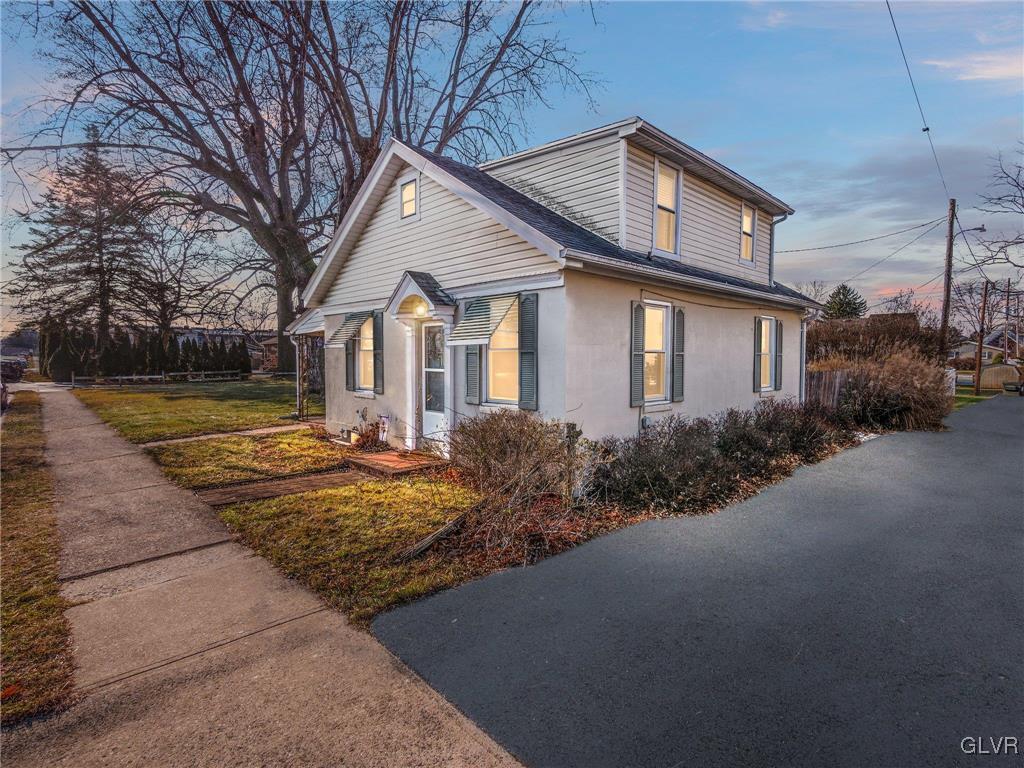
282	486
394	463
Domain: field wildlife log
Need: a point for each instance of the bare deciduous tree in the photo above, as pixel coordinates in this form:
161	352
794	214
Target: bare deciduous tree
269	115
1006	198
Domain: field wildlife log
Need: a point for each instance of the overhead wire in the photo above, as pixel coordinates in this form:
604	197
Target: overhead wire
858	242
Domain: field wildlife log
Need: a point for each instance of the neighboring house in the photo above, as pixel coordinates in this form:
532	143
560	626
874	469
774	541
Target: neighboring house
995	339
604	279
268	358
970	349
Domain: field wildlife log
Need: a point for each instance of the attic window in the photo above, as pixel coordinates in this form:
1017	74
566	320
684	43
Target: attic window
748	218
408	198
666	224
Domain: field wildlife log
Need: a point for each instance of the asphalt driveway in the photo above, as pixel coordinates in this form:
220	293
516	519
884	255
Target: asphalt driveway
868	611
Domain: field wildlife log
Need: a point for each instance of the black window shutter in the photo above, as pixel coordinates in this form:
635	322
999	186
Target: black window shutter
350	365
378	351
473	374
528	332
757	354
678	353
778	354
636	355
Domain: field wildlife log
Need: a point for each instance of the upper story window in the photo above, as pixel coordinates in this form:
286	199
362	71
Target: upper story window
666	223
364	356
655	352
748	220
408	198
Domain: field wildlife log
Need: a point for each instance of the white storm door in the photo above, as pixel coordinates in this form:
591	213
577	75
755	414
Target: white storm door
434	383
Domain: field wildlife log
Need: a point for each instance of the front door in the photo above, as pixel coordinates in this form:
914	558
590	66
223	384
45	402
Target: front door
433	382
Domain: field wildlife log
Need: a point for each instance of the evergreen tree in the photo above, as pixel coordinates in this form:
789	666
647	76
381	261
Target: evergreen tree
84	241
205	357
223	361
126	352
62	362
244	361
188	355
172	355
844	302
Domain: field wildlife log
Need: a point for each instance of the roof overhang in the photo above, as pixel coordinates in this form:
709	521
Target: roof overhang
393	157
435	303
309	322
616	268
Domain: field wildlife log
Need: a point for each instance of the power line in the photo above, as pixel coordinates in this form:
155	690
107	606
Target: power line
858	242
886	258
927	131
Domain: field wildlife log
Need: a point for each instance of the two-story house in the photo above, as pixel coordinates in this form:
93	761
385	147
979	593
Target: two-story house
607	278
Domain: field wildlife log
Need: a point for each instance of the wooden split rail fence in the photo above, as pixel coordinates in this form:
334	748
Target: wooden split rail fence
157	378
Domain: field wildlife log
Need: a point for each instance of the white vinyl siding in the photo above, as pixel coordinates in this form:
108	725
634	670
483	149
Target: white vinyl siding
639	199
579	182
711	232
457	243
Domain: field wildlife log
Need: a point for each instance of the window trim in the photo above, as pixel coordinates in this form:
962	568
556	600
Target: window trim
485	370
771	352
362	386
666	340
658	162
412	177
752	261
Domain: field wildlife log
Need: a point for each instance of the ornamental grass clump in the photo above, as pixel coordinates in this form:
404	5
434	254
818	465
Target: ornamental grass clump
904	389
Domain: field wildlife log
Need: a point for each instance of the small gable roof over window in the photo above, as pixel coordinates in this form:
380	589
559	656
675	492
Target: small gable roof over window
349	328
482	318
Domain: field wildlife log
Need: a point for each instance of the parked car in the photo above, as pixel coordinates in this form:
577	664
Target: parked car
12	369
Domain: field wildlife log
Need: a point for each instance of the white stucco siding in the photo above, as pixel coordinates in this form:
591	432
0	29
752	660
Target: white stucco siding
454	241
719	353
402	369
580	182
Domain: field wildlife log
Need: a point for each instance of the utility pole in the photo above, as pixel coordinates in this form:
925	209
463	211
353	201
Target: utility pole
981	339
1006	325
947	286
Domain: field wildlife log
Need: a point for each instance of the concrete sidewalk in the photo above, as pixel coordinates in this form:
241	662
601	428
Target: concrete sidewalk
192	651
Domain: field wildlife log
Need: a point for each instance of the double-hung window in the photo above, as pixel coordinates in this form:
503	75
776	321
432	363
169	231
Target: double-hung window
655	352
767	354
666	221
503	359
408	198
364	356
748	220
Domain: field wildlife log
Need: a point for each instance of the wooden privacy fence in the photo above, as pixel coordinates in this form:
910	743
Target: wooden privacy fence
824	386
157	378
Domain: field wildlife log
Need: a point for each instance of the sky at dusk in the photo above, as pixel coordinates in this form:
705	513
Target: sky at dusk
809	100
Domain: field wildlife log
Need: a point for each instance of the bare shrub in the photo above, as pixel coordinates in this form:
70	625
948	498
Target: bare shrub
530	474
694	465
902	390
965	363
873	337
368	440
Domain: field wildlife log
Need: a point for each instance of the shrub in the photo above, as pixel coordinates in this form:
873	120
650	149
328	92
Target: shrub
873	337
965	363
689	465
519	463
368	440
903	390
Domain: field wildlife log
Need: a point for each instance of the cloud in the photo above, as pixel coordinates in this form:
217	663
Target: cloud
764	19
985	65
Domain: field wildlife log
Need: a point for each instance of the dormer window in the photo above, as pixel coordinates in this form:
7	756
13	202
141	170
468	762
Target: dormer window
666	223
748	219
408	198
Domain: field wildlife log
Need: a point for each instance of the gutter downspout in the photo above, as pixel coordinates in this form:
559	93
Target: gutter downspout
771	250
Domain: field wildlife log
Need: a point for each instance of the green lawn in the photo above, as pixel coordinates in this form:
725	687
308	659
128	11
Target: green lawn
343	542
965	396
221	460
36	653
142	414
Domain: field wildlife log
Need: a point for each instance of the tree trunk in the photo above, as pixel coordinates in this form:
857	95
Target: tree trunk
285	315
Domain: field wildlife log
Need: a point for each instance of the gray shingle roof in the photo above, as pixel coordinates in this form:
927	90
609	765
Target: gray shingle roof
432	289
578	238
